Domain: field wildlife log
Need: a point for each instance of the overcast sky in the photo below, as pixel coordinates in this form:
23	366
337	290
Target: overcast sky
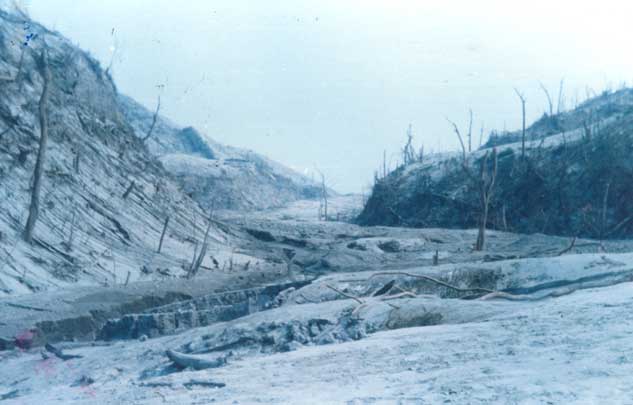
333	83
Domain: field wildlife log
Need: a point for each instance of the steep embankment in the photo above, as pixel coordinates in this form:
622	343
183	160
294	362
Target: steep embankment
104	198
574	182
216	174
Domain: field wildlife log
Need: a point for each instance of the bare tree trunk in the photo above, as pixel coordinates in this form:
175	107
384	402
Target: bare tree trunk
384	164
323	195
129	190
481	235
522	98
486	184
560	106
549	99
162	235
470	131
76	161
154	119
34	207
195	265
481	135
461	140
603	221
71	234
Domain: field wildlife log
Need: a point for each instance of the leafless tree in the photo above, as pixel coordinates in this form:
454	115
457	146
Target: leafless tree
197	262
470	131
487	179
522	98
324	202
459	136
34	207
162	235
481	134
129	189
549	99
561	101
408	154
154	119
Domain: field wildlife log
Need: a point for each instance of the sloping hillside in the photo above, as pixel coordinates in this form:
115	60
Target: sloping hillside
216	174
575	179
105	198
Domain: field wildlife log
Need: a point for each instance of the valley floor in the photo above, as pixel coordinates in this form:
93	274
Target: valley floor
572	346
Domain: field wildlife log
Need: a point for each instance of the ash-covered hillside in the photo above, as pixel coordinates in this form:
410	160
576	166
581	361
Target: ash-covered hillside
574	179
216	174
105	198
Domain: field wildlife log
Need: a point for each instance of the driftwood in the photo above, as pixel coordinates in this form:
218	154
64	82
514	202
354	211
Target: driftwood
195	362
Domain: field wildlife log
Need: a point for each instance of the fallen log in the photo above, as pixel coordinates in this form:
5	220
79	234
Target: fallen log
197	363
60	354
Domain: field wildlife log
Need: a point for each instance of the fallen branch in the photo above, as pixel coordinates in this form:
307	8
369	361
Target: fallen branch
431	279
525	297
384	289
60	354
568	248
203	383
197	363
345	294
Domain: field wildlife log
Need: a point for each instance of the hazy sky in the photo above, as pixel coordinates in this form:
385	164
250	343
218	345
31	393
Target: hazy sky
332	83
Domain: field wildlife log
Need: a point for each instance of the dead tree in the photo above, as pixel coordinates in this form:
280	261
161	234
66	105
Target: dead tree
154	119
128	190
481	134
470	131
324	202
76	160
162	235
384	164
549	99
408	155
486	182
197	262
461	140
34	207
560	106
522	98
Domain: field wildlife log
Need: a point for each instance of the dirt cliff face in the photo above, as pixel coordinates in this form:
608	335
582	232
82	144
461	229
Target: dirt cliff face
576	182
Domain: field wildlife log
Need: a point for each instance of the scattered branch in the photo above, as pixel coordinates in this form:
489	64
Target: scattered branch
431	279
345	294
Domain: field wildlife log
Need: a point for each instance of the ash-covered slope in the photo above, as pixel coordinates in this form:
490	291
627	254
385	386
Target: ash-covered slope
104	196
216	174
573	181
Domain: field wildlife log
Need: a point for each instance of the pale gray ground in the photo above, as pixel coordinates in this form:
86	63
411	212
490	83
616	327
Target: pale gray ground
316	346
